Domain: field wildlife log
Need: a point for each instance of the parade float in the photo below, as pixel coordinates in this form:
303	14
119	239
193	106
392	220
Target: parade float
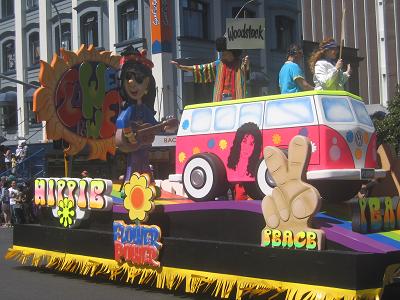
300	157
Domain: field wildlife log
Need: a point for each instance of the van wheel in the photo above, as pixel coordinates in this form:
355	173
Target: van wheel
204	177
263	185
337	190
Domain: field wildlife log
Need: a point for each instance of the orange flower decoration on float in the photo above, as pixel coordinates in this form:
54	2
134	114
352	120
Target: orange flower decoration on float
140	194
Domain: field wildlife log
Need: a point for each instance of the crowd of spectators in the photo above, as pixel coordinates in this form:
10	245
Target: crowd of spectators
9	160
16	200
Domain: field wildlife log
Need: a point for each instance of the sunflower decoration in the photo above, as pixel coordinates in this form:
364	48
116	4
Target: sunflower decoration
140	193
276	139
223	144
66	212
79	100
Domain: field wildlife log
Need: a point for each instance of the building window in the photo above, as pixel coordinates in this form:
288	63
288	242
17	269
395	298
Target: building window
34	48
284	32
8	56
245	13
195	19
128	21
65	37
7	8
89	29
31	4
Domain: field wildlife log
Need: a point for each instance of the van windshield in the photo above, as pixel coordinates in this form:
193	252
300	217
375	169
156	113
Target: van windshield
361	112
337	110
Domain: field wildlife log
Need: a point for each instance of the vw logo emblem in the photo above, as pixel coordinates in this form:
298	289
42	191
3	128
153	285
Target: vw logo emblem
359	138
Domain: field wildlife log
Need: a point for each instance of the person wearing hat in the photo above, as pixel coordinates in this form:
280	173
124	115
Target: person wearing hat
138	92
229	73
327	71
291	76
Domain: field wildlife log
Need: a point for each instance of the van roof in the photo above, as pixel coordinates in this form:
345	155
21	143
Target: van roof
274	97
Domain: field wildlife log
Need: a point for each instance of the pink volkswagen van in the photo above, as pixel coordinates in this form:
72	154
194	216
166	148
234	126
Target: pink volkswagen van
221	143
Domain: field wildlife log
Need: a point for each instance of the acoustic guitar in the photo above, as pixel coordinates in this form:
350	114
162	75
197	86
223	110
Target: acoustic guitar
144	135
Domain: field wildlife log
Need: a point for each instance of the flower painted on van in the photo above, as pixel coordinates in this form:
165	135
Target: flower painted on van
211	143
276	139
196	150
366	137
140	194
303	132
223	144
185	124
358	153
181	157
349	136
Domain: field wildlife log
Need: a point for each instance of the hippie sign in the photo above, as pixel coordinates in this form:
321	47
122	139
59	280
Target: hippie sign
136	243
289	210
72	199
79	100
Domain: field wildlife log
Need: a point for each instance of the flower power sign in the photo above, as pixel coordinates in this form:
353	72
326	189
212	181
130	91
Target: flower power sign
137	243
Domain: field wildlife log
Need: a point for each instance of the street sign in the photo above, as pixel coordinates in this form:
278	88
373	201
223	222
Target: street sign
245	33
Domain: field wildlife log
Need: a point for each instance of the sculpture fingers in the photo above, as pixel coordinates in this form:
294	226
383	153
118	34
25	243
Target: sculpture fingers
306	204
282	204
277	164
298	157
270	212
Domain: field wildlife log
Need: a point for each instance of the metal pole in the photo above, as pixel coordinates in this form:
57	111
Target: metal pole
240	10
19	82
59	20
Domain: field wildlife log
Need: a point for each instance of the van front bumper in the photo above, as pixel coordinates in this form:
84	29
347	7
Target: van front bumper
346	174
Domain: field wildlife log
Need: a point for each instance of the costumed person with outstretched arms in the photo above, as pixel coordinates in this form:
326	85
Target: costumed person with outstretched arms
291	76
229	73
136	125
327	71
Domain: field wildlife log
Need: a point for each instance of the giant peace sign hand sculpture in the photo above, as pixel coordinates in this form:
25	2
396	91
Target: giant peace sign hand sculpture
288	211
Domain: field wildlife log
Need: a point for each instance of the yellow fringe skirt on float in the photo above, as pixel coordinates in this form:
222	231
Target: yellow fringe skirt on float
219	285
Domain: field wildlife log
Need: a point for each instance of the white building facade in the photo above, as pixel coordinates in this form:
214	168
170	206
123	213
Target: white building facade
33	30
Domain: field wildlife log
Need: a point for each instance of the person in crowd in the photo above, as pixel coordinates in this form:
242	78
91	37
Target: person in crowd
21	151
7	157
85	174
326	69
13	164
229	73
5	202
2	163
20	205
291	76
14	206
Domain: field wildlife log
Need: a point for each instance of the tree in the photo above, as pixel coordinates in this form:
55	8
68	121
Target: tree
388	129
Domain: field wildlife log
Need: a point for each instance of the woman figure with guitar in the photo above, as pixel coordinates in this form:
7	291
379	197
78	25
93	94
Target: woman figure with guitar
136	125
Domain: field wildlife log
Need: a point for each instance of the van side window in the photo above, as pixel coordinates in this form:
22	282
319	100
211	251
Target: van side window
225	118
289	112
251	113
337	110
201	120
361	112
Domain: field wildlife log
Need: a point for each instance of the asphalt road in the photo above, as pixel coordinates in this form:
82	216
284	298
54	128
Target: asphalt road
22	282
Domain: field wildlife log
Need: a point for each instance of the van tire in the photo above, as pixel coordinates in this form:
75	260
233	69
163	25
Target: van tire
204	177
263	185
